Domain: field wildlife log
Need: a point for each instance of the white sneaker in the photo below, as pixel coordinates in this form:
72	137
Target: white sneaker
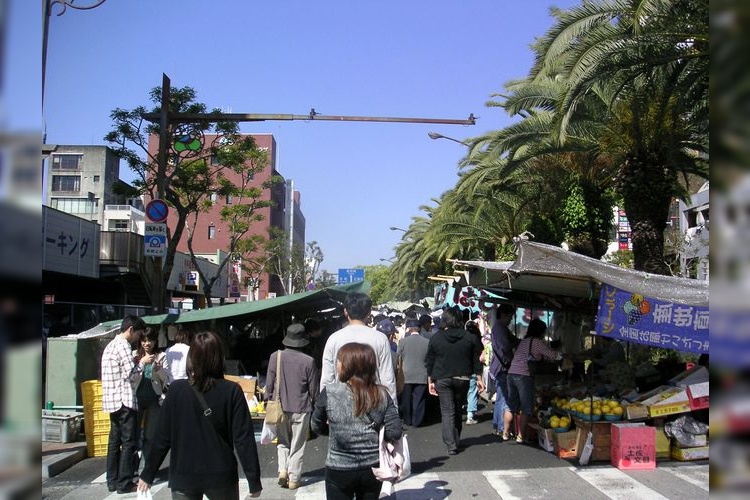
471	421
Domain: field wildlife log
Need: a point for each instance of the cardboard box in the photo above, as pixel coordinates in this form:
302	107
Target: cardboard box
545	437
601	438
698	395
633	446
662	444
668	402
636	411
247	383
689	454
566	444
696	375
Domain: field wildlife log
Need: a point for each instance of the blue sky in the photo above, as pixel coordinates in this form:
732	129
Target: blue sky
418	58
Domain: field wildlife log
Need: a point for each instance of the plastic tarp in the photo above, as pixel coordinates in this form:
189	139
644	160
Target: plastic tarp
555	271
308	300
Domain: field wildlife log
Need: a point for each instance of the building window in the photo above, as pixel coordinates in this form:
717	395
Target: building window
96	178
73	205
214	160
66	183
211	232
118	225
66	162
229	199
213	197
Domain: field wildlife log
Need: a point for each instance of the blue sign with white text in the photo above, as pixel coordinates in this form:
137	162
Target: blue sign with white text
636	318
351	276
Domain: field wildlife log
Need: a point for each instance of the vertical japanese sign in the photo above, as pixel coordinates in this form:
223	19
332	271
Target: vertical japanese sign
644	320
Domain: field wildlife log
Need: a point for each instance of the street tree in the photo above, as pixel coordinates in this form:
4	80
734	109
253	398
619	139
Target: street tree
285	263
238	160
185	182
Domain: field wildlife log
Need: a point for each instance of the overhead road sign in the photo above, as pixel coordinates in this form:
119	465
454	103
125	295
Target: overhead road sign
351	276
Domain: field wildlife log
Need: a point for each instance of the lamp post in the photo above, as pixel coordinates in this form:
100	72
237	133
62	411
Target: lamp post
435	135
388	260
394	228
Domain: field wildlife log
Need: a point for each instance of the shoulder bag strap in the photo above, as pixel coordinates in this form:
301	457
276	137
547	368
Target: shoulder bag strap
207	411
276	387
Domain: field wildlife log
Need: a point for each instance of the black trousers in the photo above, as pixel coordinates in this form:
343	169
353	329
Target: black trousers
225	492
413	403
122	448
452	395
349	484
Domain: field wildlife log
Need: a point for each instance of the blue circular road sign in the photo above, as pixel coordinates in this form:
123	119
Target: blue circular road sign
157	211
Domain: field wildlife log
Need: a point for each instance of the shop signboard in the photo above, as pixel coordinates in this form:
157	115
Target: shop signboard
633	317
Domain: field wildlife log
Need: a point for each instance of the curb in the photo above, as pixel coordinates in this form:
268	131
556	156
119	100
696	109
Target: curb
56	463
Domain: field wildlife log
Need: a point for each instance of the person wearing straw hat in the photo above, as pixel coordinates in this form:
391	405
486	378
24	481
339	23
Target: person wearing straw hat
299	381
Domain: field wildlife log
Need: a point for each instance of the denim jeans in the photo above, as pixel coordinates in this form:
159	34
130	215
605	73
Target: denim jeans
452	395
122	448
501	400
348	484
472	397
521	393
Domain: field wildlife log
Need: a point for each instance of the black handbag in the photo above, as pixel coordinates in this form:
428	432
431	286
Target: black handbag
539	366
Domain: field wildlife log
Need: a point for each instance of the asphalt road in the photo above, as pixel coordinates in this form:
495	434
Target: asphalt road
486	468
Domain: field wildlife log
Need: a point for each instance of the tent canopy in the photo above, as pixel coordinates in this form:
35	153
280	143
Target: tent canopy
546	272
308	301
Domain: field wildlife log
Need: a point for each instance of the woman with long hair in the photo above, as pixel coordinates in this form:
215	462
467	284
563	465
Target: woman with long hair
351	411
150	386
204	422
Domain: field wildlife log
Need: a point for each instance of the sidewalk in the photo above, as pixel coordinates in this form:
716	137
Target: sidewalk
57	457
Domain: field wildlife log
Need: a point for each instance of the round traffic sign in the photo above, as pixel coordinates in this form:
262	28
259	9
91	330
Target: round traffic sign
157	211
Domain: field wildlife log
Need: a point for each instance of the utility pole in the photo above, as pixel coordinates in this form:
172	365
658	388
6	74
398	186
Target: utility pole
166	119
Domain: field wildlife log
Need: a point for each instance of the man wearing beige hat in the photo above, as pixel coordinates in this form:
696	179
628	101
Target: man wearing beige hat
298	388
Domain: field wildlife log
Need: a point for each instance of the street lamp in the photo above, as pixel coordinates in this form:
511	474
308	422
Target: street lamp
435	135
388	260
394	228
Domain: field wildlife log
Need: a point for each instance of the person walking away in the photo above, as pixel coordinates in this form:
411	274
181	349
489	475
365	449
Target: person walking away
176	356
150	386
298	380
387	328
412	351
204	422
357	308
520	381
351	410
472	397
425	322
452	357
314	330
118	372
503	345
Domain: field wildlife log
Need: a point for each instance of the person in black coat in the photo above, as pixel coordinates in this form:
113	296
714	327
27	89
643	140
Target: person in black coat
452	358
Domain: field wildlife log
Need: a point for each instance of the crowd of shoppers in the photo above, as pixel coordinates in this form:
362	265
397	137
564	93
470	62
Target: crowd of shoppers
342	385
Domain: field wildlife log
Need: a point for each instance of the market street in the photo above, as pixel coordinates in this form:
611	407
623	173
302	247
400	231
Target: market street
486	469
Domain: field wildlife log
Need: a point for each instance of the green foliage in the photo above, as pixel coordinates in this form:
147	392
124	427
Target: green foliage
379	277
622	258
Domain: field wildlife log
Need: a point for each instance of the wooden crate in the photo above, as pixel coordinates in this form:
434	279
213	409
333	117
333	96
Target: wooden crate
602	438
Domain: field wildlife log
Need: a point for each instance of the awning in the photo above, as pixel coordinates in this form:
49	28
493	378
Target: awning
553	271
314	300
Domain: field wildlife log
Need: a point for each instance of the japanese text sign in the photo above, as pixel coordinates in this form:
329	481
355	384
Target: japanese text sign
644	320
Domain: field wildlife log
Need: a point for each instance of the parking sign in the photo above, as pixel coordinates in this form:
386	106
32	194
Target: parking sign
155	240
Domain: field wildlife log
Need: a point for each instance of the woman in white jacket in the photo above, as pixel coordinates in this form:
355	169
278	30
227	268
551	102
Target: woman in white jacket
150	386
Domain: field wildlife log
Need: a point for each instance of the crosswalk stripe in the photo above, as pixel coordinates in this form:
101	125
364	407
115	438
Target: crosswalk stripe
421	486
697	475
615	484
155	488
501	481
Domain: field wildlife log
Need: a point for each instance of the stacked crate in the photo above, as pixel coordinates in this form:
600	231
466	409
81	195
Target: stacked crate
95	420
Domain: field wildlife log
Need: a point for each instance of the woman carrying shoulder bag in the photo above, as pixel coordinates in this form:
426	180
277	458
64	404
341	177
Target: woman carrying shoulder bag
520	380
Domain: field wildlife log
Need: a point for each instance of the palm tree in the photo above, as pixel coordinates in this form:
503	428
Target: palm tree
648	60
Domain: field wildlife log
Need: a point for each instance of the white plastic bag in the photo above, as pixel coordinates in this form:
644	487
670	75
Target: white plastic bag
268	433
145	496
588	449
395	459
